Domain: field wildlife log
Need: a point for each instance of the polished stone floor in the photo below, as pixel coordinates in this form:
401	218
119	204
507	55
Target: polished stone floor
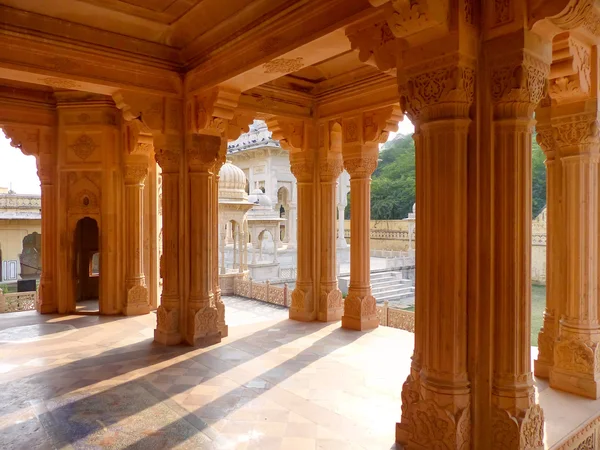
91	382
97	382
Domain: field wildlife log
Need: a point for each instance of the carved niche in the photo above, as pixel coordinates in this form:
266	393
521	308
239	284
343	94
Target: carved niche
84	194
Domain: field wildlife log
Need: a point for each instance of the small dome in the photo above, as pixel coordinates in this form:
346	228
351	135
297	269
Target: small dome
259	198
232	182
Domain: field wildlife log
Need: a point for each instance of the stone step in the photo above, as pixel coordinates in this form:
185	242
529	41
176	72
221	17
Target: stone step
393	296
386	293
391	282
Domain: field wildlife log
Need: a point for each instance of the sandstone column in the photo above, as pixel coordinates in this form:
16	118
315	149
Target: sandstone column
514	98
577	350
361	136
135	281
46	172
168	156
202	152
330	300
303	307
554	247
437	390
221	325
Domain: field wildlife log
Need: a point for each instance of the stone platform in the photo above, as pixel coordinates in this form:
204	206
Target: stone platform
88	382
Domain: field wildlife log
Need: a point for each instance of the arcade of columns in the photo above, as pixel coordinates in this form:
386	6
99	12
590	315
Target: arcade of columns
470	76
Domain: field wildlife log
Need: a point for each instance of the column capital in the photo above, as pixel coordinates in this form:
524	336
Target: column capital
135	174
302	167
331	168
203	151
577	134
289	132
440	89
518	84
361	166
168	152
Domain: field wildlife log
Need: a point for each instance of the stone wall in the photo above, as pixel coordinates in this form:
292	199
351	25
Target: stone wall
389	235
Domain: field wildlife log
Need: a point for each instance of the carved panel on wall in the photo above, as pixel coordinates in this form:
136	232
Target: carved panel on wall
81	147
84	193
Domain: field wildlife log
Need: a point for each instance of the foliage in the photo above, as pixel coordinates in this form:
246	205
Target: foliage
538	185
393	185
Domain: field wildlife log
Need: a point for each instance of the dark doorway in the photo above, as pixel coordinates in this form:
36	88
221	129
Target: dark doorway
87	266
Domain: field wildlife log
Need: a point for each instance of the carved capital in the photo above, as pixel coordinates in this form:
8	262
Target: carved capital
361	167
135	174
289	133
137	138
442	89
545	138
518	86
577	133
523	431
203	150
330	169
411	17
302	168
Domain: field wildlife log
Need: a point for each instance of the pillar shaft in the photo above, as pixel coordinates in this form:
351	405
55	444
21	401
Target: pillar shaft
135	282
554	248
202	151
331	303
303	307
168	330
360	312
221	325
576	349
47	300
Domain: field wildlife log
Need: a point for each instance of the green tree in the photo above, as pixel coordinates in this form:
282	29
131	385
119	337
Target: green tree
538	176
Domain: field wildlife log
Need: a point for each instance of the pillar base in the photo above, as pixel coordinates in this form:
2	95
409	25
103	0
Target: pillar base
163	338
302	316
576	383
360	312
46	308
360	324
206	340
541	369
136	310
224	330
137	301
332	315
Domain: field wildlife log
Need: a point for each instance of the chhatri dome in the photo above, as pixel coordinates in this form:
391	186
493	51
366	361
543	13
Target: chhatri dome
232	182
259	198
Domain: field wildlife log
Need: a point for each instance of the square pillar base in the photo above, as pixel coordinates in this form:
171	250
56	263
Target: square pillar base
301	316
162	338
541	369
47	309
136	309
333	315
580	384
362	324
206	340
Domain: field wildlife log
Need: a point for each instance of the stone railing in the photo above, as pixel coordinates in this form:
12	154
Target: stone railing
262	291
287	273
396	318
17	301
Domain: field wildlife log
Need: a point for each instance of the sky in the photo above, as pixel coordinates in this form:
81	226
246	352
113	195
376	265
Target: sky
19	171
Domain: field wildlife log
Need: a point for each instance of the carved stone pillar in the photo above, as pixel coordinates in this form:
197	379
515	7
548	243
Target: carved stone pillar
436	397
202	152
361	136
221	325
330	300
135	282
303	303
517	85
168	156
554	248
46	172
577	350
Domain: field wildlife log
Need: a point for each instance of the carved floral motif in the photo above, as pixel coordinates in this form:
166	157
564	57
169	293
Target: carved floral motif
83	147
167	321
361	167
360	307
205	320
137	295
135	174
576	356
510	432
168	159
298	299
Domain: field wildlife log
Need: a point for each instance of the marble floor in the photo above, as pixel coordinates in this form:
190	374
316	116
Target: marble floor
97	382
94	382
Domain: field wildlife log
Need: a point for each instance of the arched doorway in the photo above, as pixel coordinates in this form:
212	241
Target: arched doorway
87	266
